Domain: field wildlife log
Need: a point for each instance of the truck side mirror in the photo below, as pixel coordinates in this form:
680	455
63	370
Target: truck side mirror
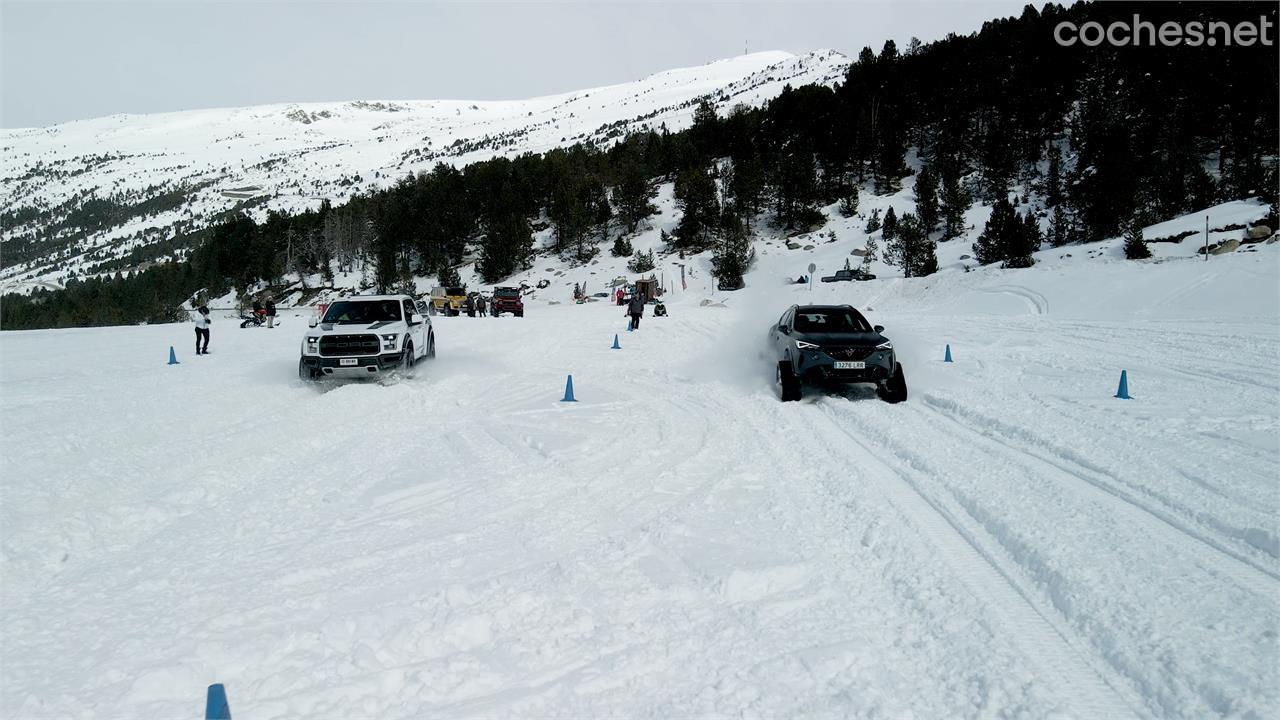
879	328
313	322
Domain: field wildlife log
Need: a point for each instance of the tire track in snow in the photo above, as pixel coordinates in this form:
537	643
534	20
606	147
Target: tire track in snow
1035	630
1157	522
1038	303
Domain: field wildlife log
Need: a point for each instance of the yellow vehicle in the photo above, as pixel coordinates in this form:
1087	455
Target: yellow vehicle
448	301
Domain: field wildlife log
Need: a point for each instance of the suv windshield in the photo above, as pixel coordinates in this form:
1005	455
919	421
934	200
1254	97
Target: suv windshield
359	312
506	292
455	291
830	320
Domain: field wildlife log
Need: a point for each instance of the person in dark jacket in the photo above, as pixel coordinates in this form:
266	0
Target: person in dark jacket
635	309
471	305
202	329
480	305
271	312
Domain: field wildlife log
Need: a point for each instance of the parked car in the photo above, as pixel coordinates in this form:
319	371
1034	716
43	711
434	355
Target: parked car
367	336
848	275
825	344
507	299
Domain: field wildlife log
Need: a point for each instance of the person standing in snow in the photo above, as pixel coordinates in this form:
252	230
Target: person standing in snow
636	309
271	312
471	305
203	322
480	305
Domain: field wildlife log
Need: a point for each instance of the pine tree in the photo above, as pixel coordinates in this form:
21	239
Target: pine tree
890	227
955	202
695	193
1135	245
911	249
1024	239
992	245
872	249
927	199
873	222
641	262
733	253
633	196
621	247
1053	181
1060	230
448	277
505	248
849	201
746	185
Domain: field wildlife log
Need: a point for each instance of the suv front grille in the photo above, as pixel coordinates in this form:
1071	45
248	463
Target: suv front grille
347	345
850	353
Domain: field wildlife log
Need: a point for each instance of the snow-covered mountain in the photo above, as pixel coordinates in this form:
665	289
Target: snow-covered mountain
167	172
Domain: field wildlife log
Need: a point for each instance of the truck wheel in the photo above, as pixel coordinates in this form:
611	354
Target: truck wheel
894	390
519	313
788	382
305	373
406	361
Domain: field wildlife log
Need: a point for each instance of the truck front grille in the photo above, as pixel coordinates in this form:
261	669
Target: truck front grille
348	345
850	353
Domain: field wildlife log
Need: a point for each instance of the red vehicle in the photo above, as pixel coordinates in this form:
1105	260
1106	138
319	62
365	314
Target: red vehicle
507	299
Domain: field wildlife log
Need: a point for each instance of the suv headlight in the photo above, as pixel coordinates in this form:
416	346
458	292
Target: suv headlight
802	345
389	341
886	345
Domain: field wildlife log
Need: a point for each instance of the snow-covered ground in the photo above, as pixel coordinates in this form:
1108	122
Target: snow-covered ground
1010	542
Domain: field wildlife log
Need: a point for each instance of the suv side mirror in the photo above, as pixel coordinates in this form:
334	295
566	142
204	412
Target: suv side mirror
879	328
313	322
415	319
784	329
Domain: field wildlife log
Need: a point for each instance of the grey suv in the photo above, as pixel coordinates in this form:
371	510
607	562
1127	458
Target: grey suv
833	344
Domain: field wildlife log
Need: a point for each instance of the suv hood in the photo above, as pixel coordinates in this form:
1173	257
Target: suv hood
862	338
357	327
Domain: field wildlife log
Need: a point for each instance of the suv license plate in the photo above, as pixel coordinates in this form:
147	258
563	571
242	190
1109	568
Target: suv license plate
348	361
848	365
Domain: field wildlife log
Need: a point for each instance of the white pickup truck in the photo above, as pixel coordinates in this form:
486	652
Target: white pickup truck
367	336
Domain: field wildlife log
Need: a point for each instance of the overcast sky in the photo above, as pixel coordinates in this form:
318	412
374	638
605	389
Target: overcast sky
74	60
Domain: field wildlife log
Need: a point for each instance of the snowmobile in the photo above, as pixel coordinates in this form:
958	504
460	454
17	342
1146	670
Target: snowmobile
253	319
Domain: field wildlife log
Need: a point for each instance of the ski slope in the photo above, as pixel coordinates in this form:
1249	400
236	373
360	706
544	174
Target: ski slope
1012	541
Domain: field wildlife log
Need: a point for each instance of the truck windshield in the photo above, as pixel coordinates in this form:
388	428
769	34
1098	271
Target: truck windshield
456	291
834	320
506	292
360	312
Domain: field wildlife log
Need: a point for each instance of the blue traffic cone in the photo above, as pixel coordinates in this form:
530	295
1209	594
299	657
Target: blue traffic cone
568	391
216	707
1123	391
173	359
947	357
616	346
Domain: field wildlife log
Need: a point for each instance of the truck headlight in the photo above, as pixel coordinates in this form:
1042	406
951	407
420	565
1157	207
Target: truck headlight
313	344
886	345
802	345
389	341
